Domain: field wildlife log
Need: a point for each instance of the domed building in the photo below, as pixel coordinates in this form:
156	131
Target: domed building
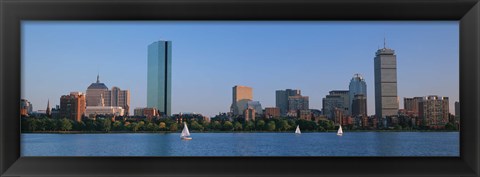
100	98
95	92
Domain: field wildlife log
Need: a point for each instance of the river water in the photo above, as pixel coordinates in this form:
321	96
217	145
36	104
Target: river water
243	144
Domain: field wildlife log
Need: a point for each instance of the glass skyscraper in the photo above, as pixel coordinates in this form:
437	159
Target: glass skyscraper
159	76
357	86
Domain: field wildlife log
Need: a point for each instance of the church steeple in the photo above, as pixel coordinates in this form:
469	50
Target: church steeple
48	108
98	78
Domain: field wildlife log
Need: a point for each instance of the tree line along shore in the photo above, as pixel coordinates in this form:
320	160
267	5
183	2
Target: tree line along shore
168	125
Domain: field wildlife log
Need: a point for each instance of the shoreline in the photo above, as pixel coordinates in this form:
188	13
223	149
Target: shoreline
167	132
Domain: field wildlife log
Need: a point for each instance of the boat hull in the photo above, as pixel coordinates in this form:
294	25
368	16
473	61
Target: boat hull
186	138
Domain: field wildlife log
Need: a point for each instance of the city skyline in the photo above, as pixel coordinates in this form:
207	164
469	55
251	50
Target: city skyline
246	64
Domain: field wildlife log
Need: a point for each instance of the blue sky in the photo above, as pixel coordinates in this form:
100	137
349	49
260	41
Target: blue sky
209	58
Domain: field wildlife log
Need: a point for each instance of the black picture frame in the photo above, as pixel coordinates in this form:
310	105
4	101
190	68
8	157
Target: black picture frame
12	12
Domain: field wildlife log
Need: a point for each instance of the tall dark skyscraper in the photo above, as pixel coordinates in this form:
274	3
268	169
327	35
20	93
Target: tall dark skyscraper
386	100
359	105
159	76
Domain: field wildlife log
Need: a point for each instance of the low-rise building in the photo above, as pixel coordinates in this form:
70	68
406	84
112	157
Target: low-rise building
93	111
249	114
272	112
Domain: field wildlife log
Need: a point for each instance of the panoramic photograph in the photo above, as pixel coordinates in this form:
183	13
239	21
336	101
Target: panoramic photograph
240	88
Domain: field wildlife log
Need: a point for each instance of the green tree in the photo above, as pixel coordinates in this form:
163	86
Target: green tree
140	126
134	126
173	127
90	125
227	126
398	127
79	126
260	125
65	125
51	125
155	127
107	125
271	126
238	126
249	125
205	124
42	124
307	125
196	126
283	125
326	124
150	127
450	126
117	126
32	124
216	125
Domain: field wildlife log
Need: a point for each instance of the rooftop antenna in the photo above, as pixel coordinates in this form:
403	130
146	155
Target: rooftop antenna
384	42
98	77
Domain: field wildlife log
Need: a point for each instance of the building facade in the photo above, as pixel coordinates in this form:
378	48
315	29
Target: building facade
95	92
249	114
241	95
159	76
281	99
272	112
25	107
98	94
386	100
73	106
434	111
457	109
337	99
359	105
255	105
298	102
411	106
357	86
118	98
93	111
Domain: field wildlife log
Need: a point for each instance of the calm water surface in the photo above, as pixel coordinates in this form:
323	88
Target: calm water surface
244	144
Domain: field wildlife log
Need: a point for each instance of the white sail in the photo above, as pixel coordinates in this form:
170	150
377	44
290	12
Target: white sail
340	131
298	130
185	131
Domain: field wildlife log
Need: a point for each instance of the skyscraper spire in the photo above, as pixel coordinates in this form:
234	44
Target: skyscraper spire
98	78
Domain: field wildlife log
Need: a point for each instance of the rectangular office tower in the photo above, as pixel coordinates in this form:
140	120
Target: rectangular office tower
386	100
241	96
159	76
281	99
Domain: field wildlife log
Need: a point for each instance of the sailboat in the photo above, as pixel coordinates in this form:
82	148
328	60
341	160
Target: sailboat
297	131
340	131
185	133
